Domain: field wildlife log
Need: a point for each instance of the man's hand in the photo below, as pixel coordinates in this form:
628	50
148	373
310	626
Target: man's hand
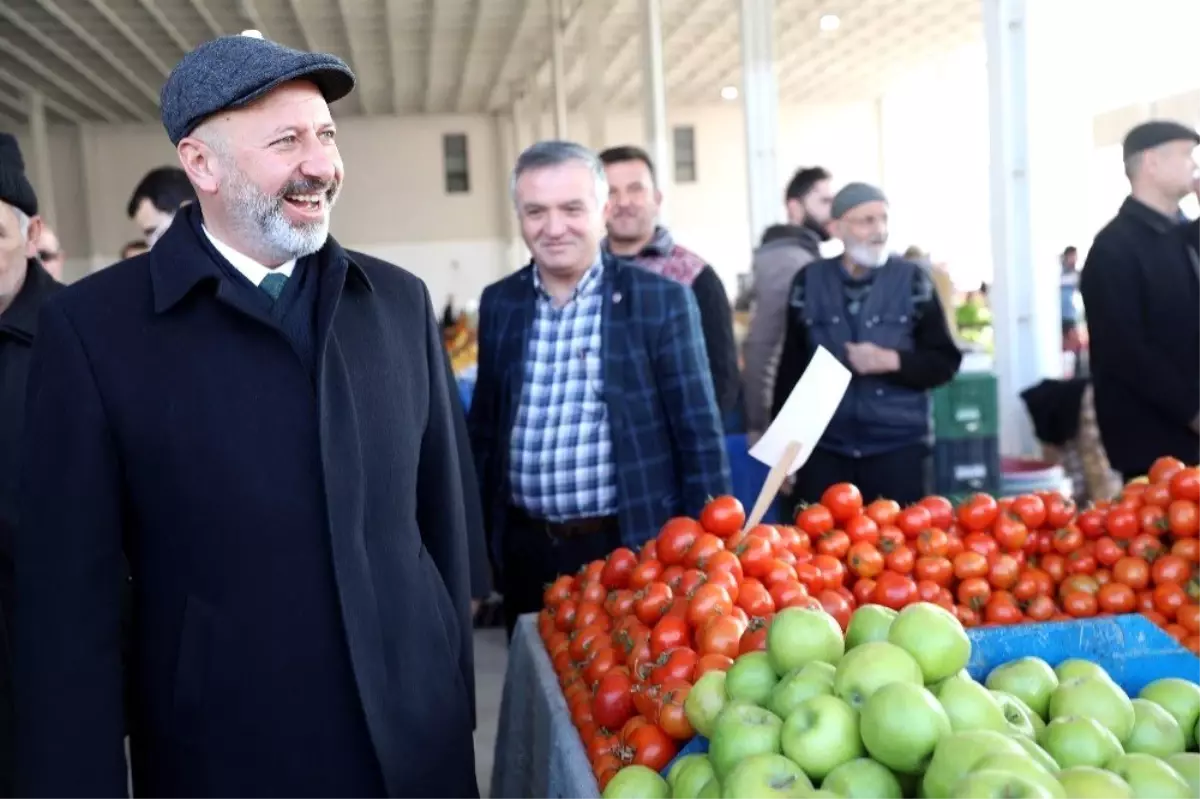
868	359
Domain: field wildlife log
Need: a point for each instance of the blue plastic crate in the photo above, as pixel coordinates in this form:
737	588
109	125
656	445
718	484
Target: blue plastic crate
748	477
1131	649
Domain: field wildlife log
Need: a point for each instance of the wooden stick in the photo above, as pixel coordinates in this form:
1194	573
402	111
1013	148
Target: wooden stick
772	484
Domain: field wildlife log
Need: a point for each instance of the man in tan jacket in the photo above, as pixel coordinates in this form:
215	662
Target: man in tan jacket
784	251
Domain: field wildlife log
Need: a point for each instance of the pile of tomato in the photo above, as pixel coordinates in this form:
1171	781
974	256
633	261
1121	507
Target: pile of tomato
630	634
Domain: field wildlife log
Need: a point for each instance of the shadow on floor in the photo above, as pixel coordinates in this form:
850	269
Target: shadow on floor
491	658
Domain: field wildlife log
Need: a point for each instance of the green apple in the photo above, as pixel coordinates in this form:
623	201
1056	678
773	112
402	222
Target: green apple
822	794
711	790
1021	720
1097	698
863	779
970	706
933	636
1180	698
811	679
1023	766
1089	782
869	666
961	674
1155	731
637	782
1080	741
691	778
1150	777
994	784
680	764
822	734
1188	766
956	754
869	623
765	776
751	678
1036	753
742	730
705	702
801	635
901	725
1077	667
1029	679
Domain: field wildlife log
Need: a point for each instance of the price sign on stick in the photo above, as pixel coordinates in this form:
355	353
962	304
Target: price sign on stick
788	442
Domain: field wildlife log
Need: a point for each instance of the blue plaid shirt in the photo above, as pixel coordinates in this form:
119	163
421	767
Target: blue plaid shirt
561	457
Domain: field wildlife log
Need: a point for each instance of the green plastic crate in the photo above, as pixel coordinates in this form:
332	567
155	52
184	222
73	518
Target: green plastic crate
966	407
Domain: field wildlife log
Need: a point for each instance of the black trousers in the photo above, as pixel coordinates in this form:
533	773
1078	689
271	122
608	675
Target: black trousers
902	475
534	558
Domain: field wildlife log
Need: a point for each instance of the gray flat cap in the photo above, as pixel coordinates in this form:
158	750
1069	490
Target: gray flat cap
232	71
1155	132
853	195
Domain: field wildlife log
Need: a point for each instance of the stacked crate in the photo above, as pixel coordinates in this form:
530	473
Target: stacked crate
966	452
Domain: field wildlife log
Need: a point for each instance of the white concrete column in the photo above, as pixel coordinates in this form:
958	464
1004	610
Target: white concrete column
880	141
654	91
593	37
516	253
1041	146
533	96
760	107
43	177
558	78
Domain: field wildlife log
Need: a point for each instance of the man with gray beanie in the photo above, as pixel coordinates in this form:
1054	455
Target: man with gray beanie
878	314
24	288
265	423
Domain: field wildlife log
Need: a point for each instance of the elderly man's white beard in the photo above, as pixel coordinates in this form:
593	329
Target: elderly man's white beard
260	216
868	256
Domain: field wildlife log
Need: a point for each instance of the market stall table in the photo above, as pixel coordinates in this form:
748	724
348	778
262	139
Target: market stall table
538	751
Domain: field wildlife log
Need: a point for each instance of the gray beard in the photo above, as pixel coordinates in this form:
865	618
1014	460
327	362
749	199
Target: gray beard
260	216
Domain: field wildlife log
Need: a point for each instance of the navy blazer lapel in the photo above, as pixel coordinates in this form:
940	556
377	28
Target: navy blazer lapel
613	325
513	325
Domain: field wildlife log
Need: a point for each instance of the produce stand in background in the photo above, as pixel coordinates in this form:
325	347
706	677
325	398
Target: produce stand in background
966	420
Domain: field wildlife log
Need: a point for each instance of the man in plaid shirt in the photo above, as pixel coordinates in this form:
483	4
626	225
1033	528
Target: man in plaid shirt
594	418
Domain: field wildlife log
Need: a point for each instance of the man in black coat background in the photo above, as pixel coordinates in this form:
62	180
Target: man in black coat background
24	286
265	424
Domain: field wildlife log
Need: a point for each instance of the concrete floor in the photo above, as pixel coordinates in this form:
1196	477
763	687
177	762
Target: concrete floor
491	658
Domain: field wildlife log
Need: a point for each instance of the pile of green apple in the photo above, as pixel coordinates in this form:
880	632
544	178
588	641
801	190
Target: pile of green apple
889	710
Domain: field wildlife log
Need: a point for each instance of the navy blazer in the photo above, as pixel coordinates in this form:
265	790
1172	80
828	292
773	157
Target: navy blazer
667	438
299	547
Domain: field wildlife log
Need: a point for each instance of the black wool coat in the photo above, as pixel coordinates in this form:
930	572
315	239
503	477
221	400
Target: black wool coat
299	545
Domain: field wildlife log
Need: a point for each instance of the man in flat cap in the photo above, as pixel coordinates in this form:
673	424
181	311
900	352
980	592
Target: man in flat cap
264	423
24	287
1140	295
880	315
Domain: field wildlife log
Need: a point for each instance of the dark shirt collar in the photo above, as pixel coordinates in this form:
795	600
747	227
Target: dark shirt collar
1136	209
179	261
22	316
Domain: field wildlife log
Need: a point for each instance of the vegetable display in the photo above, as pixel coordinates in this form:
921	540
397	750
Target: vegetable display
861	604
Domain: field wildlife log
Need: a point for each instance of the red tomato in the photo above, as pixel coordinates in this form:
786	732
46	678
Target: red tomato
648	746
1030	510
777	571
941	512
726	581
617	568
671	718
754	553
649	551
970	564
1068	539
1080	604
720	636
712	662
813	520
645	573
882	511
1107	551
836	605
708	601
810	577
559	591
725	561
974	592
1003	572
669	632
833	573
1158	495
864	560
651	603
835	543
1091	522
938	570
864	589
674	664
1009	532
978	512
894	590
1122	523
1147	547
1183	519
1164	468
928	590
704	547
901	560
913	520
676	538
1059	509
755	599
858	528
612	704
982	543
843	500
788	594
933	542
755	637
723	516
1186	484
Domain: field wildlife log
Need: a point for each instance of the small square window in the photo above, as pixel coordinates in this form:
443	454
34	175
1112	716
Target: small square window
455	163
685	154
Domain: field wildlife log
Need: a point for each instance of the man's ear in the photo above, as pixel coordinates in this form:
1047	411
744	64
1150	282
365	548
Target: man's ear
31	240
200	163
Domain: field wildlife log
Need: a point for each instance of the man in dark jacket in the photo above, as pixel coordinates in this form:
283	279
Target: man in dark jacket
785	250
264	421
880	316
24	287
593	420
634	200
1140	295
